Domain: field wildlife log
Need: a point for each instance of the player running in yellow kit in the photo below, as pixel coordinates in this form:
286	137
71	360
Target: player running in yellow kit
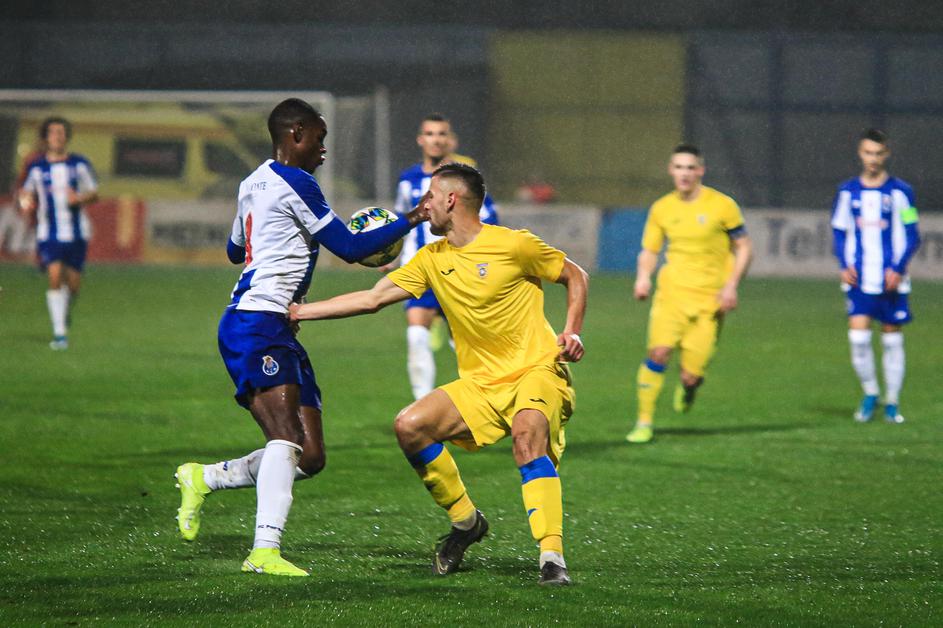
512	378
696	286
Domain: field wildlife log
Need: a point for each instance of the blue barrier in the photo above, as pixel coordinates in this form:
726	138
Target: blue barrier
620	238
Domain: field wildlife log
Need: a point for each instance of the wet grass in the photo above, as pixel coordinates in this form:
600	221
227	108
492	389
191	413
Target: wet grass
767	505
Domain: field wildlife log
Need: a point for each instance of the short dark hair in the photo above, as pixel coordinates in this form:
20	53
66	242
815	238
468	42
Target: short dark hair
875	135
435	116
48	122
470	176
288	113
690	149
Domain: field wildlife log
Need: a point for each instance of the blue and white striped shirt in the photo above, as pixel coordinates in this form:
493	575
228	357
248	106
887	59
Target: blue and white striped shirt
50	181
875	229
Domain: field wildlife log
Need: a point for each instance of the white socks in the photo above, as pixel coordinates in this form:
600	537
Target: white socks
273	490
419	361
238	473
552	557
893	362
862	359
57	301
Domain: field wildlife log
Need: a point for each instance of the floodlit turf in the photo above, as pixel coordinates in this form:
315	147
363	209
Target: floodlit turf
766	505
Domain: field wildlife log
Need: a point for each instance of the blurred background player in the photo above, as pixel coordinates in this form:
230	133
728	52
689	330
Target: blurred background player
437	142
57	185
282	220
488	279
697	285
874	222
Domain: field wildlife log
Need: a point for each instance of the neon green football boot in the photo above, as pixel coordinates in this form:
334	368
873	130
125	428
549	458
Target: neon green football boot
268	560
640	434
438	334
193	492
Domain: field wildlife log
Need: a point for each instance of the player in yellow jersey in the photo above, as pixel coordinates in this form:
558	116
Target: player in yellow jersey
513	379
708	254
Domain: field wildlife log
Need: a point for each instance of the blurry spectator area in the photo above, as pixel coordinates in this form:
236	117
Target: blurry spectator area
778	115
596	112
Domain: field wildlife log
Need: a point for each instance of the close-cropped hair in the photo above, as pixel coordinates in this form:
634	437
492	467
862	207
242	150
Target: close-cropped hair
435	116
875	135
468	175
48	122
689	149
288	113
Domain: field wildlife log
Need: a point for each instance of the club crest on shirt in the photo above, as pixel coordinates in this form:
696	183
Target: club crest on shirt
269	365
886	202
482	269
701	218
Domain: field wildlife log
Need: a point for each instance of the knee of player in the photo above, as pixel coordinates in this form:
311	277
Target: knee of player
660	355
312	463
410	425
528	443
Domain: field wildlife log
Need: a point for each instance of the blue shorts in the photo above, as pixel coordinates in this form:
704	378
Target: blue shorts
69	253
427	300
889	307
260	352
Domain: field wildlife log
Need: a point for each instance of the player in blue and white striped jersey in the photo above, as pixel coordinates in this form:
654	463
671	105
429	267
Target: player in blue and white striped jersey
436	141
874	222
282	221
57	185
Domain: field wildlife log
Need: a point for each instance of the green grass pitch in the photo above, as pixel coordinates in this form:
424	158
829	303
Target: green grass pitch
766	505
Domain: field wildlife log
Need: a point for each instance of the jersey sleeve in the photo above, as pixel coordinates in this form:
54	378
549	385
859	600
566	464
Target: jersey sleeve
653	236
732	219
841	211
907	215
413	276
238	235
30	184
907	206
307	203
86	176
537	258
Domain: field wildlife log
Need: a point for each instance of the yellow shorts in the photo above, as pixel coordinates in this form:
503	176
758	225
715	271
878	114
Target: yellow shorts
691	324
489	411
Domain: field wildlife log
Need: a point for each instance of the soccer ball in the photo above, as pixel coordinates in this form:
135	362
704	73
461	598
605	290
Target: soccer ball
368	219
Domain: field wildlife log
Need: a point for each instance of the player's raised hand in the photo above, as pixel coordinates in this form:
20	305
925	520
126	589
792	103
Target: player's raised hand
419	213
571	347
643	288
727	298
850	276
891	280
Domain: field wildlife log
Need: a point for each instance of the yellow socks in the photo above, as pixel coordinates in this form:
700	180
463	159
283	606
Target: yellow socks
651	376
438	472
543	501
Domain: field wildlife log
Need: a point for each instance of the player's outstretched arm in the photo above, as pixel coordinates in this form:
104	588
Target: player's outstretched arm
352	247
742	256
576	281
369	301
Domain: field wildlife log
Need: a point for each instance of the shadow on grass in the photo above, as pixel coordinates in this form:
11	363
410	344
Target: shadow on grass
618	440
733	429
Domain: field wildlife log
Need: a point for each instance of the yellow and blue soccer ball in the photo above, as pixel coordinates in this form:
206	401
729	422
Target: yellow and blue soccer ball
368	219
